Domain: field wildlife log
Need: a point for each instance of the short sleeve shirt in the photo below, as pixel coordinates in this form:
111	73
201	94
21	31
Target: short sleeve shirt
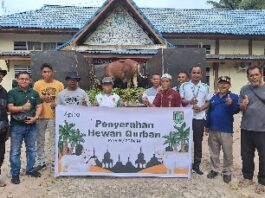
51	89
254	117
200	91
18	97
112	100
76	97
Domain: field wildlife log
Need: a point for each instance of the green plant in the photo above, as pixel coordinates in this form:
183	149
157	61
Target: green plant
178	137
129	94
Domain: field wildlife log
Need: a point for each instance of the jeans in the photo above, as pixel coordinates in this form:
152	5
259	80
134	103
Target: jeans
2	149
18	134
198	130
251	140
43	126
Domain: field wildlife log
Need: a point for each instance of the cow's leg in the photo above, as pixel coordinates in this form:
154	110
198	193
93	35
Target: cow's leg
129	83
135	81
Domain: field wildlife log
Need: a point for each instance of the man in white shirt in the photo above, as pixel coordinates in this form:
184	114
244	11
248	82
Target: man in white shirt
107	98
73	94
149	94
195	95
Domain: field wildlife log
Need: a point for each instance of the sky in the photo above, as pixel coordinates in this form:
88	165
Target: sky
12	6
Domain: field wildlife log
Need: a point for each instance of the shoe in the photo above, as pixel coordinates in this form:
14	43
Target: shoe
15	180
212	174
2	181
40	167
227	178
33	173
197	170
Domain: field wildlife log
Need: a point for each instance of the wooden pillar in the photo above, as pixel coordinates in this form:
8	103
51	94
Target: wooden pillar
217	46
216	75
250	47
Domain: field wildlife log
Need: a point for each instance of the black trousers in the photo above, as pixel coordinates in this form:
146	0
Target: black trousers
198	130
2	149
250	141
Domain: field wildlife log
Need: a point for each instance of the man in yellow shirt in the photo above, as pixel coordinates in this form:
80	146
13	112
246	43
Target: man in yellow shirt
48	89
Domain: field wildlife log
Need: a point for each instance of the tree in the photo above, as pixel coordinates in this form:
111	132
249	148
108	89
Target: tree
229	4
238	4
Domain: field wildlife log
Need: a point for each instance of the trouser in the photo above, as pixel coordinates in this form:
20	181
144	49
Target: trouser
43	126
251	140
2	148
18	134
220	140
198	130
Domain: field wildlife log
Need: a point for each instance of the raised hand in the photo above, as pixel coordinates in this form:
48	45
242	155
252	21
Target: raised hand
84	102
27	106
193	101
245	100
229	100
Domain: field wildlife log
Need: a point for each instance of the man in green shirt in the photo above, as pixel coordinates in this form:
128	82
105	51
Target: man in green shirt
25	107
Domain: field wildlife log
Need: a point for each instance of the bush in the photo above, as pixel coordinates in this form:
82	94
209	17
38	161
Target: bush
129	95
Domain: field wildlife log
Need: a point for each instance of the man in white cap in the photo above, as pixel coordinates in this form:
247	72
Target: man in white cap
167	97
3	123
107	98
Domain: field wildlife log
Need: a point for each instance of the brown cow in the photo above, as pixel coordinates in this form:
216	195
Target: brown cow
125	70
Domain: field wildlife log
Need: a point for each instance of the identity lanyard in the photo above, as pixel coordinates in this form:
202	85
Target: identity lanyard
195	95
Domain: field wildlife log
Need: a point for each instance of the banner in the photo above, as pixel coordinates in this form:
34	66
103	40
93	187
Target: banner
123	142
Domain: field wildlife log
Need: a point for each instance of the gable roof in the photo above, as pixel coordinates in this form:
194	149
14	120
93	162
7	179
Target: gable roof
103	12
165	20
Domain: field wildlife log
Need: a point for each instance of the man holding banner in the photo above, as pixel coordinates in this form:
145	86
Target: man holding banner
195	95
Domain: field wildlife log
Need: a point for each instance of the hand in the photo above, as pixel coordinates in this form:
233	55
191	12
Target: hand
245	102
31	120
193	101
146	101
27	106
96	103
197	109
229	100
53	105
84	102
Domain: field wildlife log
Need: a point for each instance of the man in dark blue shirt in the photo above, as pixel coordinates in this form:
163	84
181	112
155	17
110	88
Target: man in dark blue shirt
220	120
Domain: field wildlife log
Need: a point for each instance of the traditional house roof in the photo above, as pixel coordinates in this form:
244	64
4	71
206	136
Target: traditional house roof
165	20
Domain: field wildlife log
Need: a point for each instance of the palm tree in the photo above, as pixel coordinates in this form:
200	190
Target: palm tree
170	140
76	138
182	137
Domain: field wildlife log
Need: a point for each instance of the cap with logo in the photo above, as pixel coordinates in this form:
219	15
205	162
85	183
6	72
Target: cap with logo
72	75
166	75
107	80
225	79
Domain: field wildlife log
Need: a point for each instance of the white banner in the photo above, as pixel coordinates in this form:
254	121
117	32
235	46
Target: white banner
123	142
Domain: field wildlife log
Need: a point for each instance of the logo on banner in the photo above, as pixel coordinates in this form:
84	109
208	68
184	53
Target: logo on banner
178	117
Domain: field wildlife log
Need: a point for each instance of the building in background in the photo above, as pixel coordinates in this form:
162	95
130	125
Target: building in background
232	39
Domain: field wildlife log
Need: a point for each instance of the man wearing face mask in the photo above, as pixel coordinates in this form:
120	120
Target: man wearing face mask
223	106
252	104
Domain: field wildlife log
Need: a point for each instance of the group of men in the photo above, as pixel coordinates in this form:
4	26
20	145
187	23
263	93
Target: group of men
32	114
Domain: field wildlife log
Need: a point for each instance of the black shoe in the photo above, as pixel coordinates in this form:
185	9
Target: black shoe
33	173
40	167
197	170
212	174
227	178
15	180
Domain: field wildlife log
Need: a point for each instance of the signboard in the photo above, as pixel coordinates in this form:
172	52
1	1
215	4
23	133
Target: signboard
123	142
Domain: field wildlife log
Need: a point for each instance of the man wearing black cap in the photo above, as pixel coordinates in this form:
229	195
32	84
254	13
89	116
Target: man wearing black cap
73	94
3	123
223	106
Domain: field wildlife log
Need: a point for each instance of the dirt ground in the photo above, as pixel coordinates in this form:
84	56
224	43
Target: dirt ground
198	186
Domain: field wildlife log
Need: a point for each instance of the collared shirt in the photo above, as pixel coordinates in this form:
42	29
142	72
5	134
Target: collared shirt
167	98
75	97
51	89
18	97
200	91
112	100
254	117
150	93
220	115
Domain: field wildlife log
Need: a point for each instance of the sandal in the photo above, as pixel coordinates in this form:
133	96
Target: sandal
245	183
260	189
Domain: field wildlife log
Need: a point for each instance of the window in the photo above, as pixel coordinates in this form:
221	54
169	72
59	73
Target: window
32	46
36	46
21	68
207	74
49	46
20	45
207	48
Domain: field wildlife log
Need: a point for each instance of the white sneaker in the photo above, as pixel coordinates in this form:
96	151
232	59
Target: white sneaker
2	181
